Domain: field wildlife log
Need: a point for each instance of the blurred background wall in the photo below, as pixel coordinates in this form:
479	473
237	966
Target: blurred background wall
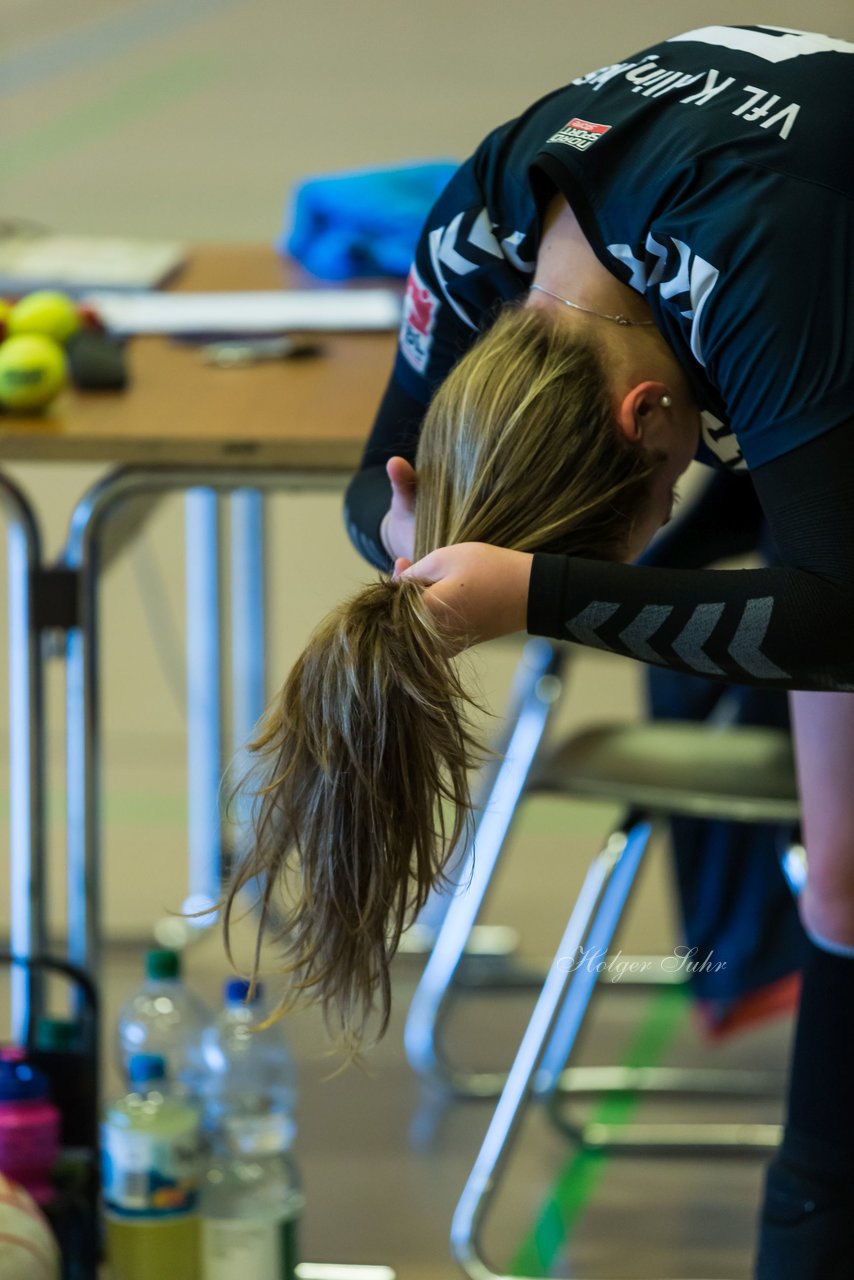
193	119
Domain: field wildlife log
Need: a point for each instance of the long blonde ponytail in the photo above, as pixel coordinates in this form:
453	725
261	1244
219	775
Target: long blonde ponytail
369	739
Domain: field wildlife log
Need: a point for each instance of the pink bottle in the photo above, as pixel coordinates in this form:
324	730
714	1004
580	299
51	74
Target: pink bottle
29	1129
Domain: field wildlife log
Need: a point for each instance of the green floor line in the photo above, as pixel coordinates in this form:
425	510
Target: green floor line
92	120
577	1181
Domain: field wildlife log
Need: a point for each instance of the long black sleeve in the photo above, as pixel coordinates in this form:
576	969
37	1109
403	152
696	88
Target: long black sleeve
368	495
789	627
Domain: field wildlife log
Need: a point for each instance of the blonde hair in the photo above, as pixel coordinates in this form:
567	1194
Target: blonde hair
371	731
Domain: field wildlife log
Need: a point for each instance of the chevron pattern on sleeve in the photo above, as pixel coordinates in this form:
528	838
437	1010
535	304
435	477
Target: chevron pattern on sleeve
708	639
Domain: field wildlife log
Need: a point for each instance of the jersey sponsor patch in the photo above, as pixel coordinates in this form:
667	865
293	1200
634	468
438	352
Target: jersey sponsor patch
419	319
580	134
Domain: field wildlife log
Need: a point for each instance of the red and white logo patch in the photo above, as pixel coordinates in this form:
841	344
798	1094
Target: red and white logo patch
419	317
580	134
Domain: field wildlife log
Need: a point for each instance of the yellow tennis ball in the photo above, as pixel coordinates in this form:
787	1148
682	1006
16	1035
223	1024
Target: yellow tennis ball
48	312
5	311
32	371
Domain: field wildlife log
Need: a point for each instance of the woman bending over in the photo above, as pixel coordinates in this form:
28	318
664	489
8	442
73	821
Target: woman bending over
650	265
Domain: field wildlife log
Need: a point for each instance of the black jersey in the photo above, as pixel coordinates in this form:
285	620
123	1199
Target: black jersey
713	174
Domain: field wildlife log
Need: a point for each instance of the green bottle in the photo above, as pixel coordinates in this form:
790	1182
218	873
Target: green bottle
151	1166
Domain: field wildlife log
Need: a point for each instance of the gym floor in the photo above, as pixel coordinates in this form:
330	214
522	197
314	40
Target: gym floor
193	119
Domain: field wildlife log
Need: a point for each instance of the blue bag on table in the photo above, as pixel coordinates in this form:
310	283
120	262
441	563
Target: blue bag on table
364	223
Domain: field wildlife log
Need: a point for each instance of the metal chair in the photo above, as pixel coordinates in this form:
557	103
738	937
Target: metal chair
741	774
672	769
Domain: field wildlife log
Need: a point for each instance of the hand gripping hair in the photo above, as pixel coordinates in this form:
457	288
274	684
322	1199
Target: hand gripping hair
362	761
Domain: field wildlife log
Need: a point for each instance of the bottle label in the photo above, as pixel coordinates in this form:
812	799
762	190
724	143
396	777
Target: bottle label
245	1247
146	1175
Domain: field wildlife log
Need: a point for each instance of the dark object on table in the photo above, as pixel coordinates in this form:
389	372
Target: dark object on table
96	362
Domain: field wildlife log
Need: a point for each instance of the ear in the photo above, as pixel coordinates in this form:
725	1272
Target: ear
636	410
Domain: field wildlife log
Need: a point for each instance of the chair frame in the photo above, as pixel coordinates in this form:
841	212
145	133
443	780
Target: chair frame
539	1071
452	970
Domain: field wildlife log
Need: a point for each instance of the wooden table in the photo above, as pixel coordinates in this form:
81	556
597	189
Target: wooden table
182	425
309	413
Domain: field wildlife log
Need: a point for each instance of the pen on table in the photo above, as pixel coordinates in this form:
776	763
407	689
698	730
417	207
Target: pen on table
238	353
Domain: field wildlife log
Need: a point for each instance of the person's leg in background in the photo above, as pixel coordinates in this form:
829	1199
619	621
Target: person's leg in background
733	900
807	1228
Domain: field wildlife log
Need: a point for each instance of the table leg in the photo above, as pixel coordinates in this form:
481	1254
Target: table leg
248	632
248	621
83	768
83	556
204	701
26	758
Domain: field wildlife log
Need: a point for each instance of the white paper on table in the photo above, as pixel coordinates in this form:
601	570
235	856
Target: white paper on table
81	264
330	310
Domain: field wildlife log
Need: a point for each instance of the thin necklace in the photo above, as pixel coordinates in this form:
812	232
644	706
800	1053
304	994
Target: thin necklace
602	315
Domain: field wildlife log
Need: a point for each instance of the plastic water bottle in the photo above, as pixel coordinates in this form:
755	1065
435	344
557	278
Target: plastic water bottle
165	1018
151	1167
246	1072
251	1201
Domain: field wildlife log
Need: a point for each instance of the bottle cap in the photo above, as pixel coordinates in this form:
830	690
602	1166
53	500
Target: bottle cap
19	1082
163	964
143	1067
57	1035
237	990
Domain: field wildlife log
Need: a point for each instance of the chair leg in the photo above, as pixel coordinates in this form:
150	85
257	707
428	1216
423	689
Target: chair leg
721	1139
550	1034
668	1138
793	861
725	1139
538	690
538	676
